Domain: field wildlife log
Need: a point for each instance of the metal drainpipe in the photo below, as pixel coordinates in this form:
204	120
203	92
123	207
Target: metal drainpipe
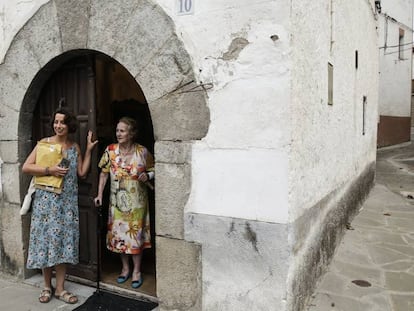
1	180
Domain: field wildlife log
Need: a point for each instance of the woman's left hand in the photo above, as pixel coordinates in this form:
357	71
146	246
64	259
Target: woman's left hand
89	143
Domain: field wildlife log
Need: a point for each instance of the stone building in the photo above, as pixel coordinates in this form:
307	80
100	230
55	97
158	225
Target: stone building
262	117
395	40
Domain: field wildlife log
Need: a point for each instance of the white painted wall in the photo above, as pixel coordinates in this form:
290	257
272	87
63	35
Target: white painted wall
270	122
241	168
328	148
274	147
244	157
401	10
395	73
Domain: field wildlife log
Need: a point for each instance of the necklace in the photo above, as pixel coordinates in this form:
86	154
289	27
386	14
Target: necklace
124	153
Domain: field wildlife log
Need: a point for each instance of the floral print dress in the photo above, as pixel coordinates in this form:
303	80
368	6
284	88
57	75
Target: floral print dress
54	229
128	217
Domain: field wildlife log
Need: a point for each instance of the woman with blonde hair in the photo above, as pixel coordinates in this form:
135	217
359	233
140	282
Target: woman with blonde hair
130	166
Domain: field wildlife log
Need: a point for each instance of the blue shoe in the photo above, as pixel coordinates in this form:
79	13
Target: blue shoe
138	283
122	279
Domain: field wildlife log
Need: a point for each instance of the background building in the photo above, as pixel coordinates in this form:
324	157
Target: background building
262	115
395	40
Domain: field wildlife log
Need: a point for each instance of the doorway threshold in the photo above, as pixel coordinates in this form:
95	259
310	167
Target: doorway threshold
85	288
82	290
133	294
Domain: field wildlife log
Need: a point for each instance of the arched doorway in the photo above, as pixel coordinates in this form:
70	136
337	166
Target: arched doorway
99	91
143	39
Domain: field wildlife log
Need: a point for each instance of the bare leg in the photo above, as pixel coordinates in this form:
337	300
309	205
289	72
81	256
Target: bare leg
46	293
60	278
125	265
136	274
60	285
47	277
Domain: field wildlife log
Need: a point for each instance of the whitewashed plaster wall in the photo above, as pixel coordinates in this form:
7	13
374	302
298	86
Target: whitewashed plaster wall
241	168
245	151
401	10
333	147
329	149
250	124
274	147
395	73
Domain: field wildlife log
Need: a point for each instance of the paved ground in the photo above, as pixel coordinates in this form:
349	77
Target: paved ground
16	295
373	268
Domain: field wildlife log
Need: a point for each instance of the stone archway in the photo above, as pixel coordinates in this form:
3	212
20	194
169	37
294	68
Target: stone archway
141	37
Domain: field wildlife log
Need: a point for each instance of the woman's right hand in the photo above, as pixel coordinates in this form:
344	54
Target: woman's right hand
98	201
58	171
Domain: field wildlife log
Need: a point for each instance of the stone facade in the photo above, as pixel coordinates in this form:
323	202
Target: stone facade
252	168
59	27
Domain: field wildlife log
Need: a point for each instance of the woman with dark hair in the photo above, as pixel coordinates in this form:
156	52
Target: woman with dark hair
54	229
130	166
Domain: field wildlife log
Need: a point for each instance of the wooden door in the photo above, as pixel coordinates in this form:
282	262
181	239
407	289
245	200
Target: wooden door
75	81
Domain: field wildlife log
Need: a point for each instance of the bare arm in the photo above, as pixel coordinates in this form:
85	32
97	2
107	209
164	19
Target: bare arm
103	177
85	162
30	167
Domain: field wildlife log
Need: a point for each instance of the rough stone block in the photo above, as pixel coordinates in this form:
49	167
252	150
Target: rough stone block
171	66
8	151
183	116
178	275
108	24
148	31
9	126
73	19
11	184
25	146
43	35
173	152
11	235
245	263
21	62
172	192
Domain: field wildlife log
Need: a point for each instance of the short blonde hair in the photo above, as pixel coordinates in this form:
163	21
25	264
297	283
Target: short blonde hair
132	126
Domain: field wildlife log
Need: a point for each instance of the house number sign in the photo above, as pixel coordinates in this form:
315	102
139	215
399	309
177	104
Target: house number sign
185	7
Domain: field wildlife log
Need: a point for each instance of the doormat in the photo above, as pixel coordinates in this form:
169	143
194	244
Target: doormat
104	301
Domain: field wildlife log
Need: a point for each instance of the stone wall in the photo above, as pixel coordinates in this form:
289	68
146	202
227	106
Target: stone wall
318	233
247	147
160	65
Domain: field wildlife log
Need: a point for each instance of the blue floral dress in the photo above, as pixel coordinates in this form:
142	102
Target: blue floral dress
54	230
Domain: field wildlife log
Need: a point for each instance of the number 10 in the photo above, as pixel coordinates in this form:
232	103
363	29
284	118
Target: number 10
185	6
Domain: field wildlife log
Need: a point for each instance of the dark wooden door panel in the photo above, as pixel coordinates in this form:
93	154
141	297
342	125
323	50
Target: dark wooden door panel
75	81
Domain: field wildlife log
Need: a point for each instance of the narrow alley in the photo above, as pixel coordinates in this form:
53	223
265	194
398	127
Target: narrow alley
373	268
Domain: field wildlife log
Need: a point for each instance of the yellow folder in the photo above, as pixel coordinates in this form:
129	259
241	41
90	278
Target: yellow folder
48	155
